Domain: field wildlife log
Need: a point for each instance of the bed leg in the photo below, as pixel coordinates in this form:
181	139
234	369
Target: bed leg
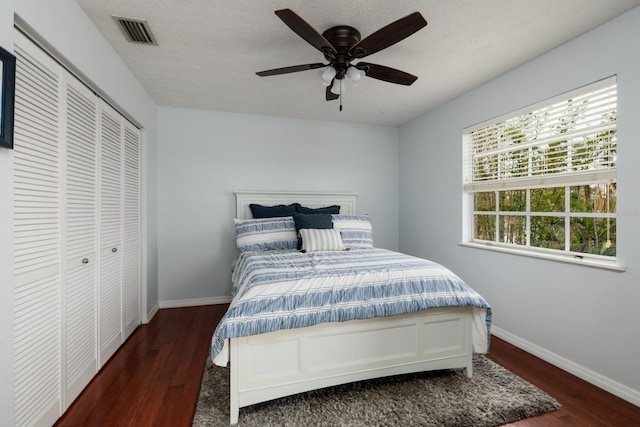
235	412
468	371
234	406
234	401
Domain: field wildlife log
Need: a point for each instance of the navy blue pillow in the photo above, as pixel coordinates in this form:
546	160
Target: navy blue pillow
333	209
260	211
311	221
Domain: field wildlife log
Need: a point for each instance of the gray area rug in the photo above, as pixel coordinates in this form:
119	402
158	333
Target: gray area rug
493	397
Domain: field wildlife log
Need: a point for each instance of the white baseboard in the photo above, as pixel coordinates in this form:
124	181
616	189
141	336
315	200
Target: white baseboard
152	313
195	302
598	380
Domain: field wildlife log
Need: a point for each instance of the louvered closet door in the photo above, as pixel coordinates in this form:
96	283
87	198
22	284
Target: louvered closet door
37	237
131	230
80	237
110	235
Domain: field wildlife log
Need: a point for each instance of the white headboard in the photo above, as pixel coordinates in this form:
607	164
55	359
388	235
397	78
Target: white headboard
346	201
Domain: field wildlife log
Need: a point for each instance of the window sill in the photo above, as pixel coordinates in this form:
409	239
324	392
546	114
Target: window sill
597	263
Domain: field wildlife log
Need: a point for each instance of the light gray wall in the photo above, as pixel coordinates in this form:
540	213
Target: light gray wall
586	315
204	156
69	33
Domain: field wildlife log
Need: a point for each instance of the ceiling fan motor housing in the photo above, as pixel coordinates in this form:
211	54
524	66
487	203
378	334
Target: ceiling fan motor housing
342	38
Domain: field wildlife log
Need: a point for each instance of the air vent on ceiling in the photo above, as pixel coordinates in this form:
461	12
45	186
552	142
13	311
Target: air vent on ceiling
136	30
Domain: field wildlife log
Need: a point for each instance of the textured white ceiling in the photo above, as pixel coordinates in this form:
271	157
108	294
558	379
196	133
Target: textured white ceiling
209	50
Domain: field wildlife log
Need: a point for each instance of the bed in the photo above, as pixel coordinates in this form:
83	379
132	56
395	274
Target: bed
297	324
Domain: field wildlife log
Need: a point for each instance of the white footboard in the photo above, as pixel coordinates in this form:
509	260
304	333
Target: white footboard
268	366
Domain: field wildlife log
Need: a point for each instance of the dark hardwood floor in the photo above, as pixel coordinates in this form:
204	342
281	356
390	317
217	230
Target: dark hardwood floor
154	379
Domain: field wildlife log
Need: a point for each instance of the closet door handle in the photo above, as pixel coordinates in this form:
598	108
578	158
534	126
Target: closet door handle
114	250
85	260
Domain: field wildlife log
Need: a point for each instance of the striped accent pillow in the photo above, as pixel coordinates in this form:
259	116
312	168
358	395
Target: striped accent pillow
356	230
266	234
321	239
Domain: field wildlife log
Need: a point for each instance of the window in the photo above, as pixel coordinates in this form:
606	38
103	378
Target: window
543	179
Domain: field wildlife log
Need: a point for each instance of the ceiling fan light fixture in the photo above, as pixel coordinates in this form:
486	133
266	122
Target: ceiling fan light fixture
326	75
355	76
338	87
324	82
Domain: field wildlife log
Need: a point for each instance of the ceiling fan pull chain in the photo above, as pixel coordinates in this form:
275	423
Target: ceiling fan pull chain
340	93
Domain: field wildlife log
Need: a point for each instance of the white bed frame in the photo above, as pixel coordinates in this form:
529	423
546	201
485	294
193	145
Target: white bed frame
286	362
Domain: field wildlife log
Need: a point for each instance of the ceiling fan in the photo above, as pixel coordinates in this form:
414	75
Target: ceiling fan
341	45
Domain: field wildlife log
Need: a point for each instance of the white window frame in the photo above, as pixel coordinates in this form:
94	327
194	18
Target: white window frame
515	179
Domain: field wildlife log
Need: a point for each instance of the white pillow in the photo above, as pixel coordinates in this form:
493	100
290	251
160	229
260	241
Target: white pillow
321	239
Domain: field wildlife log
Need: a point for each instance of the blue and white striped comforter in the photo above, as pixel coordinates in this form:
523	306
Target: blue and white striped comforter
276	290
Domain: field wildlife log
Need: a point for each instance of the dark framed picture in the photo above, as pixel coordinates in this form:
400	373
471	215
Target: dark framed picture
7	96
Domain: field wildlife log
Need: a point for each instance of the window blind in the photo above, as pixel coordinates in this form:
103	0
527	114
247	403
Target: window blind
568	140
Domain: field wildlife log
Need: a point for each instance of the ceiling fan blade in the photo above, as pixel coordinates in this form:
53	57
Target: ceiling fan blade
306	31
292	69
388	35
330	96
386	74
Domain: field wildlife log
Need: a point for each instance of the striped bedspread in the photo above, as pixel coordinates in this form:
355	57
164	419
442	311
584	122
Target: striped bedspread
276	290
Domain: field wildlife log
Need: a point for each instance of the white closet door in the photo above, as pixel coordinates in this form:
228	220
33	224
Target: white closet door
80	237
37	237
77	260
110	235
131	230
